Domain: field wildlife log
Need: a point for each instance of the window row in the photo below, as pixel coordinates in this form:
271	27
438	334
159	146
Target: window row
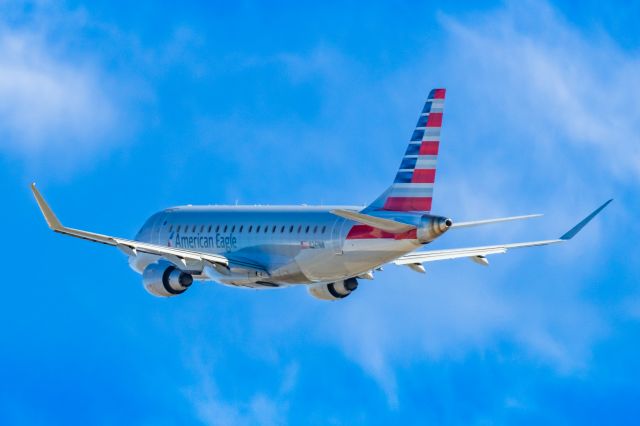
251	229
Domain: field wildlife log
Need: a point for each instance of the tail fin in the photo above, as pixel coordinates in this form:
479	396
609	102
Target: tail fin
412	190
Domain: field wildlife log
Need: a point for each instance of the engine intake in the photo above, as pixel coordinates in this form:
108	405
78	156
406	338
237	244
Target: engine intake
334	291
431	227
165	280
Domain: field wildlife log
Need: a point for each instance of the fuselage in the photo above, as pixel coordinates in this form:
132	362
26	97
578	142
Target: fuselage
289	244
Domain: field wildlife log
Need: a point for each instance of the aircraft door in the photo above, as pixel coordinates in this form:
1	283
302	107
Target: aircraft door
156	227
336	236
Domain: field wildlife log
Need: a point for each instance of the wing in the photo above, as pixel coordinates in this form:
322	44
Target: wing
477	254
178	257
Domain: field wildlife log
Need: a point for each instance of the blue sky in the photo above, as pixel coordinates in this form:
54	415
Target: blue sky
118	112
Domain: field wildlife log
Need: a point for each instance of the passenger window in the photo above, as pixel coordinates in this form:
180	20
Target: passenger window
324	228
225	228
217	228
170	228
178	228
306	231
291	229
250	228
299	228
193	228
273	229
315	229
241	226
202	229
209	230
266	229
233	229
282	229
257	229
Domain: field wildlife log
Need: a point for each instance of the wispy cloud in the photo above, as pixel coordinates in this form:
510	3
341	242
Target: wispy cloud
61	105
213	408
528	92
535	71
47	104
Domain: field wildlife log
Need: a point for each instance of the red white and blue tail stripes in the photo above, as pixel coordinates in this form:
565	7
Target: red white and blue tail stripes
412	189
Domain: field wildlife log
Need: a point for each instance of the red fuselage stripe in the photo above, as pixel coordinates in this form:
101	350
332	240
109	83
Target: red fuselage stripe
366	232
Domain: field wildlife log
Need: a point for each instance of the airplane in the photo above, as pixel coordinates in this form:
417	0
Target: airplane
326	248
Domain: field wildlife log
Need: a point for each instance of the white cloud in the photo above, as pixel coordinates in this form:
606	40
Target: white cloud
47	104
213	408
527	93
535	71
59	107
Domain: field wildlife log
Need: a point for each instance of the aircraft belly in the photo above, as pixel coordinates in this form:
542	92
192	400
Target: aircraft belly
366	254
357	256
320	264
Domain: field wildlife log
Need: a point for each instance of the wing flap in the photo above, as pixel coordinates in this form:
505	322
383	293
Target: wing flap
448	254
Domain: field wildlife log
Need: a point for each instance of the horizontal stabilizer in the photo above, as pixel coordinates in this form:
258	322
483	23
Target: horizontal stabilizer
377	222
491	221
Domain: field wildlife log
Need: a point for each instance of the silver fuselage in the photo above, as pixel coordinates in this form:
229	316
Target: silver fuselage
271	246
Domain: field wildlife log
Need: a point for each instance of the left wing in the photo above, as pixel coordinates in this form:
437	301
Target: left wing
178	257
377	222
478	254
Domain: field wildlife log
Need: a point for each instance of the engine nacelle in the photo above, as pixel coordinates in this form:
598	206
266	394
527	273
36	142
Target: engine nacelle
431	227
333	291
165	280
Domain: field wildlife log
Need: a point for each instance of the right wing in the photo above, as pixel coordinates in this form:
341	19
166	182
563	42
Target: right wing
478	254
179	257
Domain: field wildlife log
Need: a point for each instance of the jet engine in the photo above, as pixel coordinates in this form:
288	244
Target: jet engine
165	280
431	227
333	291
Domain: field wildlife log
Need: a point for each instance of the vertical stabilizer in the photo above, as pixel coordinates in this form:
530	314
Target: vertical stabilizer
412	189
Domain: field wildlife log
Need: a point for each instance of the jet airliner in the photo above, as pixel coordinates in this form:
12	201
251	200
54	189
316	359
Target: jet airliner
326	248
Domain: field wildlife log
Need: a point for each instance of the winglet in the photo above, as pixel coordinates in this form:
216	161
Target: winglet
573	231
48	214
